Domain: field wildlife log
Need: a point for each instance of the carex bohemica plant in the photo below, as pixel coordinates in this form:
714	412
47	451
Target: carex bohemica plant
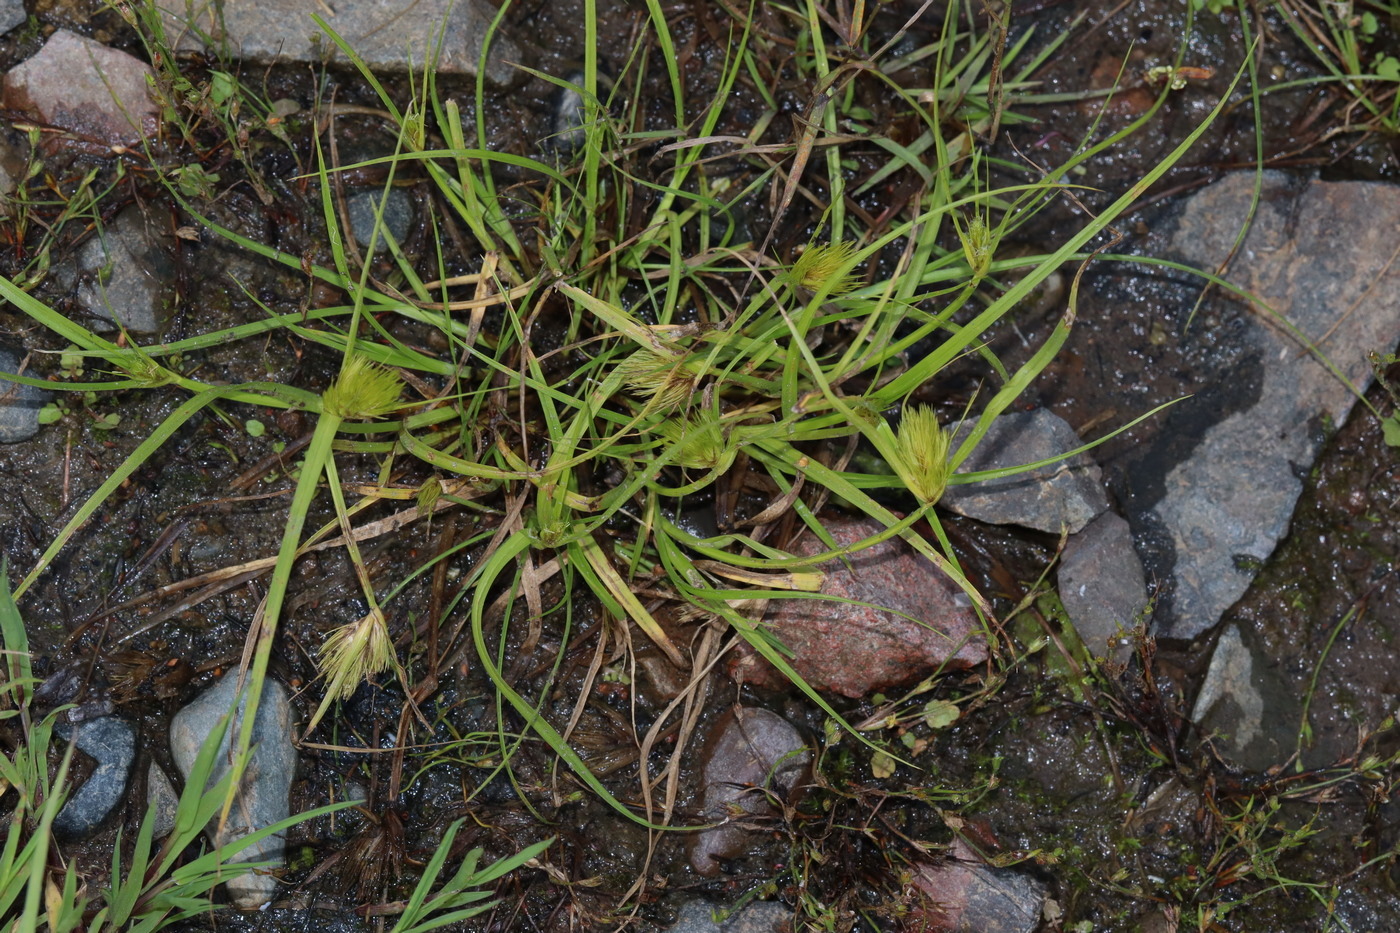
601	349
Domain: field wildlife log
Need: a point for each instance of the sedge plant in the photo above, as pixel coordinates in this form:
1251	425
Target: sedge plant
683	358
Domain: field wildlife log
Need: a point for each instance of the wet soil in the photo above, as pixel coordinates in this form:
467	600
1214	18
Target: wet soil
1098	788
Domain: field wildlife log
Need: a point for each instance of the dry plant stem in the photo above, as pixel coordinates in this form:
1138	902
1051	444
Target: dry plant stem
692	698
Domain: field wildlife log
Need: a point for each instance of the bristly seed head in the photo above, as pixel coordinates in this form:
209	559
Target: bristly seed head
363	391
822	264
923	445
700	443
355	652
668	380
979	245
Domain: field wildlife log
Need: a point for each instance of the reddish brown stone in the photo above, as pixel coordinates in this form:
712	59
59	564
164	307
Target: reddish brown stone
86	88
854	649
957	896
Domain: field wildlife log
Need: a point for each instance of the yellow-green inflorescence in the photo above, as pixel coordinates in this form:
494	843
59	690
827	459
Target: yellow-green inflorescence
820	266
364	391
698	443
669	379
355	652
923	448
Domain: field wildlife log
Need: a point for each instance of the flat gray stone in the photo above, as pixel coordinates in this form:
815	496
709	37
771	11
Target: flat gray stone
12	14
1333	278
84	87
1245	707
1068	494
395	35
111	742
19	403
750	753
263	796
124	276
762	917
1102	586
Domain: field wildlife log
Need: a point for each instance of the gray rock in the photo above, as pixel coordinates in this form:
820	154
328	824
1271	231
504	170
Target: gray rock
19	403
1245	706
750	753
762	917
969	897
123	274
1068	494
398	216
566	130
1102	586
1306	255
111	742
161	792
12	14
388	34
86	88
262	798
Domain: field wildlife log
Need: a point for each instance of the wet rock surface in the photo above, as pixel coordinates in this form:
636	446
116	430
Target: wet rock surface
393	34
855	649
1061	495
1102	586
19	404
751	753
160	790
111	742
698	917
12	14
263	796
397	215
1229	504
1245	707
960	896
79	85
122	275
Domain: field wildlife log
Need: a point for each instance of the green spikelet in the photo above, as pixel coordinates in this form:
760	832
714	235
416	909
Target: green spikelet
821	265
923	447
364	391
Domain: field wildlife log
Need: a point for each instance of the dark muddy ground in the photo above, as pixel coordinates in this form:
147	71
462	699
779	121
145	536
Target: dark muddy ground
1107	796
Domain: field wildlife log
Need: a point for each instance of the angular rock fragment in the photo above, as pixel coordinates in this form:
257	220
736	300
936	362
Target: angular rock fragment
123	276
851	647
751	753
963	895
1334	281
385	34
1102	586
84	87
19	403
1063	495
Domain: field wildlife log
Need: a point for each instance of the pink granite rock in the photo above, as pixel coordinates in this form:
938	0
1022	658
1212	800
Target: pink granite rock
84	87
854	649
